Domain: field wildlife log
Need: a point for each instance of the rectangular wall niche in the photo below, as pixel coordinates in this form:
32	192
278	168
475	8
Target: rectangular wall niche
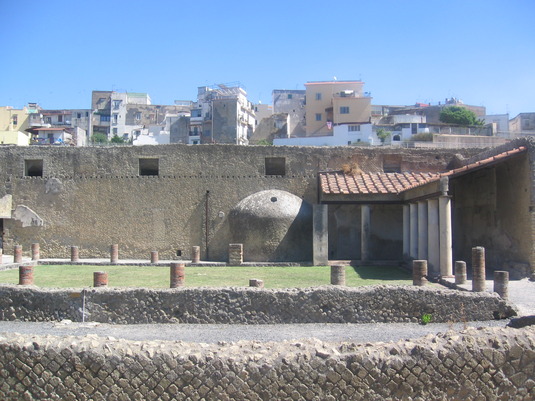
275	166
149	166
33	168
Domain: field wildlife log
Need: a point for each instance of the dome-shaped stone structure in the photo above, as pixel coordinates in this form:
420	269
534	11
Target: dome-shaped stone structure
273	225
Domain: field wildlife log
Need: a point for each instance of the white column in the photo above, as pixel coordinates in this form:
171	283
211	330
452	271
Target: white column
433	237
413	250
406	231
422	230
446	255
365	232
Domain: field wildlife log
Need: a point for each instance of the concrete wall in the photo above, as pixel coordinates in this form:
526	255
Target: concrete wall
489	364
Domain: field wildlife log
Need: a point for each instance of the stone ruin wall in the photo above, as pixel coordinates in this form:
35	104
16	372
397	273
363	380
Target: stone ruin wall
330	304
94	197
476	364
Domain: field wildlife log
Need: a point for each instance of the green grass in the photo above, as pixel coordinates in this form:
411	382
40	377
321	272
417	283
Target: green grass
81	276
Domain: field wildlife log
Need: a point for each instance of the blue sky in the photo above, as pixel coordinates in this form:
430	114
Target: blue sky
56	52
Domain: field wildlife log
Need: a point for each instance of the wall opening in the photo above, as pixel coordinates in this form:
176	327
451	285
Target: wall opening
275	165
149	166
33	168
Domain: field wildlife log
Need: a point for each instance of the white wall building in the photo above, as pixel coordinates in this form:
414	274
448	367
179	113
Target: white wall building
343	135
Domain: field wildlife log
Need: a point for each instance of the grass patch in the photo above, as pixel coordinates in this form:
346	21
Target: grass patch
80	276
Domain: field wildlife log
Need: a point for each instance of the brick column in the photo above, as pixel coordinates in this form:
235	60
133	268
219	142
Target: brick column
17	254
460	272
320	235
100	279
478	269
177	275
419	272
25	275
338	275
74	254
35	251
114	253
235	254
501	283
154	258
255	282
195	254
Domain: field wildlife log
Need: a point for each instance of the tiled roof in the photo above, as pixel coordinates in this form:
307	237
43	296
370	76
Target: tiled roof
336	182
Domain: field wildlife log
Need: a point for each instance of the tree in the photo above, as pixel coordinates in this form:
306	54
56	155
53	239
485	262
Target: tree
117	139
382	134
99	138
459	115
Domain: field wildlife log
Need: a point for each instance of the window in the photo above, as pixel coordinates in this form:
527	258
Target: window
318	116
318	96
290	95
33	168
137	116
15	119
275	165
116	104
48	120
60	119
104	118
149	166
196	113
78	115
115	131
344	109
353	128
115	118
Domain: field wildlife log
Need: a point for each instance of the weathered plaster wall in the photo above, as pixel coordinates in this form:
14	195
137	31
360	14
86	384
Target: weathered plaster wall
489	364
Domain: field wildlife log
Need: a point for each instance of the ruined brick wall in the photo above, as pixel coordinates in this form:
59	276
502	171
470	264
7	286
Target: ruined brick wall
382	304
93	197
487	364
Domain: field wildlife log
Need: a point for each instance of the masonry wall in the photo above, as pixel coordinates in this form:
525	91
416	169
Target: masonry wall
385	304
489	364
93	197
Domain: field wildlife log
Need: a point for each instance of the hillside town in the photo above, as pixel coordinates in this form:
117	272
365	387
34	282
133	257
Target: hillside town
325	113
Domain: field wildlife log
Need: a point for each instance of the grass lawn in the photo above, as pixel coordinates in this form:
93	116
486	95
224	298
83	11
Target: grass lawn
221	276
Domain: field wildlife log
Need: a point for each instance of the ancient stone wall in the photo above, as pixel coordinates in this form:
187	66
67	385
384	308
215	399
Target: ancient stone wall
487	364
330	304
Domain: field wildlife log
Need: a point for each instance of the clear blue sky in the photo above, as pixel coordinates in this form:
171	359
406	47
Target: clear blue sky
56	52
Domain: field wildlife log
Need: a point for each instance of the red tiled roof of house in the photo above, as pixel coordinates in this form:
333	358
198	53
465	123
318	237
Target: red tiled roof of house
336	182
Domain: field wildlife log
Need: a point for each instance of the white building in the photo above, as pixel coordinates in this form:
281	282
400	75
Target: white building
343	135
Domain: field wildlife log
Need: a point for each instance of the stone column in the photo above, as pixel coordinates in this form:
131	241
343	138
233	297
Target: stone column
460	272
25	275
422	230
100	279
320	235
478	269
235	254
17	254
74	254
195	254
114	253
406	231
154	258
446	254
177	275
419	272
433	238
255	282
35	251
413	251
365	232
338	275
501	283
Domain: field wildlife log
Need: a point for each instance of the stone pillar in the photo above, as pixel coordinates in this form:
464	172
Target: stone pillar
74	254
25	275
406	231
195	254
501	283
100	279
446	253
419	272
17	254
35	251
154	258
255	282
478	269
413	251
235	254
114	253
365	232
338	275
177	274
422	230
460	272
320	235
433	238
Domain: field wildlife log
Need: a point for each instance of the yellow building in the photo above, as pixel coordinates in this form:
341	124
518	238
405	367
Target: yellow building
13	123
330	103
